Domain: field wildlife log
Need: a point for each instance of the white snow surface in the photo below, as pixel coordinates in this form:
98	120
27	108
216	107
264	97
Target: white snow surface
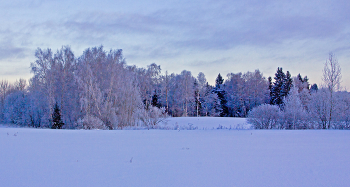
45	157
205	123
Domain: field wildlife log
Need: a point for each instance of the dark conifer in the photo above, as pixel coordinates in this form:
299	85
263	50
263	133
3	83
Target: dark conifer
281	87
219	81
276	98
314	88
155	101
56	118
286	85
270	88
219	90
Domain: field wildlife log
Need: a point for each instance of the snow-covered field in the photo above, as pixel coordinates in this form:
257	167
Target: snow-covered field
205	123
45	157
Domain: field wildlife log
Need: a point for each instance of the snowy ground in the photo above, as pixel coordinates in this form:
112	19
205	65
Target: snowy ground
205	123
45	157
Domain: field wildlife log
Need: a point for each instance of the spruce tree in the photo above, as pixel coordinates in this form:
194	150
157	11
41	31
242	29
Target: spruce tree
56	118
221	95
286	85
155	101
314	88
270	89
276	98
281	87
306	80
219	81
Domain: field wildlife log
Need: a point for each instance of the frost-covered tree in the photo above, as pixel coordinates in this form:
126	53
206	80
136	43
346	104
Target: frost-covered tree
319	108
294	114
148	82
212	103
187	85
305	96
66	89
245	91
202	91
301	83
219	90
42	86
53	79
331	80
164	91
108	90
256	90
16	108
4	92
265	116
235	93
342	110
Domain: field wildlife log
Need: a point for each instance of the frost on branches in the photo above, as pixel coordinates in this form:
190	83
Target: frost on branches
98	90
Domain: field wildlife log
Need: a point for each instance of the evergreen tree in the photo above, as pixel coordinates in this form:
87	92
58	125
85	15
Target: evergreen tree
198	104
219	81
306	81
281	87
221	95
314	88
155	101
301	83
270	89
286	85
276	98
56	118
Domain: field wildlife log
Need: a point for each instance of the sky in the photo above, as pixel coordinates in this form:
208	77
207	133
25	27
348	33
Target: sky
206	36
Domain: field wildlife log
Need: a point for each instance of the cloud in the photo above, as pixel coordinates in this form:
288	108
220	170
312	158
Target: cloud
166	31
8	47
196	26
11	52
220	61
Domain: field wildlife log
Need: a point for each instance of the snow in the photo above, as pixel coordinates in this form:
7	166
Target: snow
45	157
205	123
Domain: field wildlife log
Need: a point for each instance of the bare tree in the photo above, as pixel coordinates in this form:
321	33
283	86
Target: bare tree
331	79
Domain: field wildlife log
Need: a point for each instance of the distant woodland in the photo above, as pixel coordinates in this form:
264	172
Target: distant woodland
98	90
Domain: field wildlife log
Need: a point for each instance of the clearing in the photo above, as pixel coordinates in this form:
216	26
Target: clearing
45	157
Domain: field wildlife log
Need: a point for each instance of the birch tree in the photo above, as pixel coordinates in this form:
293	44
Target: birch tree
331	80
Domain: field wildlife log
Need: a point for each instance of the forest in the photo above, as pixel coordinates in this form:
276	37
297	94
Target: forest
98	90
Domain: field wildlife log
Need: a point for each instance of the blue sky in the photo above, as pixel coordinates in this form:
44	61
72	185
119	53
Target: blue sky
200	36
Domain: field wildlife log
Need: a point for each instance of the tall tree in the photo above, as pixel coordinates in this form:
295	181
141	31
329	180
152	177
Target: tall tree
219	81
187	82
331	79
4	92
201	92
294	112
281	87
301	83
220	91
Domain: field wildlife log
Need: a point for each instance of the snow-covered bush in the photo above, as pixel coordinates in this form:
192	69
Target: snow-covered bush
294	114
151	117
91	122
265	117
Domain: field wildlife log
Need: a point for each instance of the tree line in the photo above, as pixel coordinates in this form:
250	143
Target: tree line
99	90
294	104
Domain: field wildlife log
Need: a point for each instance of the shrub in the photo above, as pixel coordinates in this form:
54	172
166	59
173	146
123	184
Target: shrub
265	117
